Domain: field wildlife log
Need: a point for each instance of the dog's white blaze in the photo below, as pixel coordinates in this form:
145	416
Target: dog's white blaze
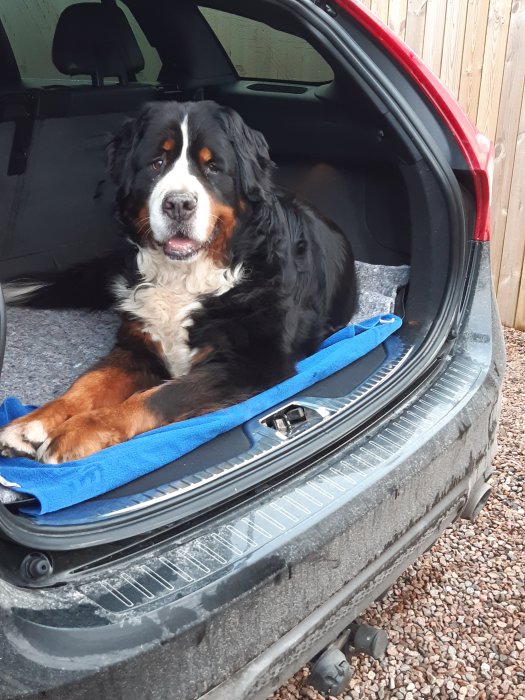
167	294
179	179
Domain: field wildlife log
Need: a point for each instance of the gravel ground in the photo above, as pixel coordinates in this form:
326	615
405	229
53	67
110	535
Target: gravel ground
456	619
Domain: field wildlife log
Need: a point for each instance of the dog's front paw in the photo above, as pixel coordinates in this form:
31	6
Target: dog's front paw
79	437
22	437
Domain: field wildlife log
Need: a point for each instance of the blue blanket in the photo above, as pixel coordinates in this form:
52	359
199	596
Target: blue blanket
59	486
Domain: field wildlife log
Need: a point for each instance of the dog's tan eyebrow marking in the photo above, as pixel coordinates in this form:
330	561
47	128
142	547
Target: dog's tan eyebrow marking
205	155
168	144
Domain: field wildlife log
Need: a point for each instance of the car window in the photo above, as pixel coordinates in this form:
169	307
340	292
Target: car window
30	27
259	51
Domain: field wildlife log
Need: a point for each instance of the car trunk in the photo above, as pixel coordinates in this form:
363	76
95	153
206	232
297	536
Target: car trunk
358	150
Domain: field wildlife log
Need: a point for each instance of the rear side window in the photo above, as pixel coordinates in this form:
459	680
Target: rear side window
30	27
262	52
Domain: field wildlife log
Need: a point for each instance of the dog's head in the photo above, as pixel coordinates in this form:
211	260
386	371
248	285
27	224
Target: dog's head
186	173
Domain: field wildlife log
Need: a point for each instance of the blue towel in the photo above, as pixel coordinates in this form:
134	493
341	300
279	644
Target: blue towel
62	485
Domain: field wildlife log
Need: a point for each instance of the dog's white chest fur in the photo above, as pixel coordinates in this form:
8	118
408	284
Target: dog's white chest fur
169	291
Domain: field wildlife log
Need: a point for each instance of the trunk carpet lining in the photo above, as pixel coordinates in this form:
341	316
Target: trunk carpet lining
38	365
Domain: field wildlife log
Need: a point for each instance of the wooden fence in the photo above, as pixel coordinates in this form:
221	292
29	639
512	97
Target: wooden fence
477	48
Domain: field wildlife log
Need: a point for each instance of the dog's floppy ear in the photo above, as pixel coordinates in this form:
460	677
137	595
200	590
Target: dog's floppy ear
121	148
118	152
253	157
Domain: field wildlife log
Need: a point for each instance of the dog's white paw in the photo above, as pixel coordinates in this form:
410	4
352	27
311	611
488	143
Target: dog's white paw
43	453
22	438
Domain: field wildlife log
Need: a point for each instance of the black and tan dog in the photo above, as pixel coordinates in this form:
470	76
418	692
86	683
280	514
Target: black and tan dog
228	282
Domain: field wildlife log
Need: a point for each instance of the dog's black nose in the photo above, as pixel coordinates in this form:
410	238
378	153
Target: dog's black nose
179	205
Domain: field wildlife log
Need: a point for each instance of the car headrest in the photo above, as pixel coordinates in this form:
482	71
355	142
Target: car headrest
96	40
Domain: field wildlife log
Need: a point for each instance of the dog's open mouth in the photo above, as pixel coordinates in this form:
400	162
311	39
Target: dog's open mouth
180	247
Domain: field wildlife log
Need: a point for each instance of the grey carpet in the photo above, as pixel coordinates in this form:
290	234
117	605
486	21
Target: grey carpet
377	287
46	350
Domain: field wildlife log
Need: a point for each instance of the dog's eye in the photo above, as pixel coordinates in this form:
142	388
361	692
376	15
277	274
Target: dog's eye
158	164
211	168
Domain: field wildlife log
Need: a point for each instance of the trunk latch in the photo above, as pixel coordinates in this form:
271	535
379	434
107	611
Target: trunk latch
287	419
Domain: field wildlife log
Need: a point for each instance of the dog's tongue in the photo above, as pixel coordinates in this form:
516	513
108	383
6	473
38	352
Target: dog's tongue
179	246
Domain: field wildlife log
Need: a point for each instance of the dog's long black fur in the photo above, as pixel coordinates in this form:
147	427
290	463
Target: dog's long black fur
297	283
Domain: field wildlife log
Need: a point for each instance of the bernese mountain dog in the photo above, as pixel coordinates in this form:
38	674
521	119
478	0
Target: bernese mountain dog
227	283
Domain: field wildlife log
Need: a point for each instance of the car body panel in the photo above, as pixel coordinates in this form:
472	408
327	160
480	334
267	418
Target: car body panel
251	596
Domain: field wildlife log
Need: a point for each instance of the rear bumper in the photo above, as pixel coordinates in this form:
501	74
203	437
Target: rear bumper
239	605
